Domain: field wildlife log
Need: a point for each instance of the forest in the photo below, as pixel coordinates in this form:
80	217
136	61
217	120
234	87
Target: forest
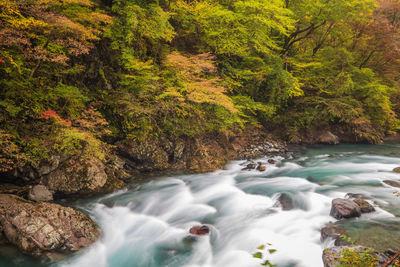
77	76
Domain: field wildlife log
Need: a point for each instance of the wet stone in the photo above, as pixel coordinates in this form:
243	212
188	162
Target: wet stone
364	205
344	208
392	183
200	230
285	201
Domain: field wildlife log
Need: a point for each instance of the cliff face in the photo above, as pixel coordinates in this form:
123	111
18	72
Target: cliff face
80	175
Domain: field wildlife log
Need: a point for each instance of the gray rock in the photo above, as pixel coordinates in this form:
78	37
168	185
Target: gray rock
48	165
40	193
250	166
344	208
40	228
285	201
146	155
77	175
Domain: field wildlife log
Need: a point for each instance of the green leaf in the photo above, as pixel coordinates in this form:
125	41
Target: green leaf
257	255
261	247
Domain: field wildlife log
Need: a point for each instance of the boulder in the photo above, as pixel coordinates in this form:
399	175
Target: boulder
271	161
250	166
41	228
327	137
40	193
261	168
344	208
397	169
331	256
332	231
365	207
392	183
285	201
49	165
200	230
77	176
146	155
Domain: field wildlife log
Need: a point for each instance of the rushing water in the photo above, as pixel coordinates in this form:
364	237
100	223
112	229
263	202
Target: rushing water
147	225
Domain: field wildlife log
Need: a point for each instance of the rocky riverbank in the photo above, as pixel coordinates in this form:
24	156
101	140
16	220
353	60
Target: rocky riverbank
61	177
37	227
345	250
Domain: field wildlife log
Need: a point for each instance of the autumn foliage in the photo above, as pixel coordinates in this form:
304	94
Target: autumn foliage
131	69
51	114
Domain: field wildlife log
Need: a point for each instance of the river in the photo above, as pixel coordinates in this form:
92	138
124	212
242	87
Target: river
147	225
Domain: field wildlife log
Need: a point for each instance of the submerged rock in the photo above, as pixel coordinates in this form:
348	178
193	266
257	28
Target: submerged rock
365	207
40	193
392	183
311	179
271	161
200	230
331	256
344	208
41	228
285	201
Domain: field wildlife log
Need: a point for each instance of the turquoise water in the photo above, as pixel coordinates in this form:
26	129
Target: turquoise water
147	225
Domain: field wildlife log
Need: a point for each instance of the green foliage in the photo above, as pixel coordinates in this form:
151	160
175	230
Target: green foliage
186	68
72	141
10	152
251	110
70	99
351	257
233	27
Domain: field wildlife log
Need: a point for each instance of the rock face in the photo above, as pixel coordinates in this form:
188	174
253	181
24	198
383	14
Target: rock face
328	137
365	207
344	208
66	175
200	154
200	230
392	183
331	256
40	193
41	228
77	175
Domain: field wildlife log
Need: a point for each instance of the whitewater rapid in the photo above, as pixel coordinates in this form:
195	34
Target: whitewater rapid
148	225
